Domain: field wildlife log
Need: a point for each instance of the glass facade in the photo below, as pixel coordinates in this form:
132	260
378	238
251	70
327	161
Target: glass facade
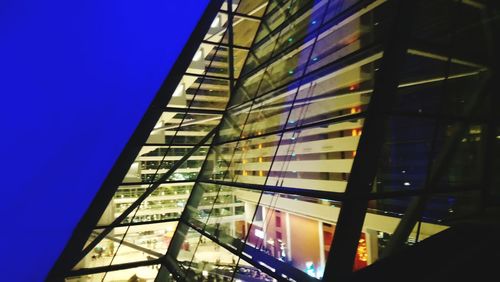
306	140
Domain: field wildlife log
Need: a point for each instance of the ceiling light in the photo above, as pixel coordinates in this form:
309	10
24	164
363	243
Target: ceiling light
216	22
179	90
198	55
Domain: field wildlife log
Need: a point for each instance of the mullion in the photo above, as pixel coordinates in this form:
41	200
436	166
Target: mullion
316	32
140	223
206	76
339	263
226	45
334	120
369	50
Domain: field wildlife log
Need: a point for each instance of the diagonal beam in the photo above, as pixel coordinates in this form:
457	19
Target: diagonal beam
148	192
107	268
342	253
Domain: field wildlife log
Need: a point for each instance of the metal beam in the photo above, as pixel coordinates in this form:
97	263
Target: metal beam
193	111
350	222
114	267
141	223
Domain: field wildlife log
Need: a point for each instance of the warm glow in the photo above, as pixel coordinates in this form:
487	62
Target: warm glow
362	252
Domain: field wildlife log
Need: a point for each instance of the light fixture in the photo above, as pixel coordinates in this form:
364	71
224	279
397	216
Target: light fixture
198	55
179	90
216	22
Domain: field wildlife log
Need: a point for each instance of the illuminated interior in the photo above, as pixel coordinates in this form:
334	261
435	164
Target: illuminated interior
292	116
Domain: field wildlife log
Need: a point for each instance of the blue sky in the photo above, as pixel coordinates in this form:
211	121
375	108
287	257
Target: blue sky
75	79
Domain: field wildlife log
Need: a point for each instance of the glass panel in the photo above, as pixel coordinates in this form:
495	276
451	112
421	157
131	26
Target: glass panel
190	240
381	220
318	158
338	94
210	59
301	27
166	202
286	69
140	243
435	20
155	161
466	166
217	28
448	62
164	275
248	272
306	24
143	274
362	30
261	54
278	13
212	205
415	149
244	30
198	92
218	161
453	208
433	85
230	215
240	56
180	128
405	155
248	89
245	165
336	7
211	262
270	112
279	230
233	123
254	8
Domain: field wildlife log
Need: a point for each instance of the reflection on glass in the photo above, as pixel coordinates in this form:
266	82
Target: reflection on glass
279	231
143	273
129	244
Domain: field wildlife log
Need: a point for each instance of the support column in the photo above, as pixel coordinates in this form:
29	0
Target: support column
371	238
288	236
321	238
350	221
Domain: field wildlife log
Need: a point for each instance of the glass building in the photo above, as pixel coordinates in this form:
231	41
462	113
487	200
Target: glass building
304	141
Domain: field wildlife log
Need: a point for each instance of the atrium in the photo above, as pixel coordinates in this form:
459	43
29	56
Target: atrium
303	140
